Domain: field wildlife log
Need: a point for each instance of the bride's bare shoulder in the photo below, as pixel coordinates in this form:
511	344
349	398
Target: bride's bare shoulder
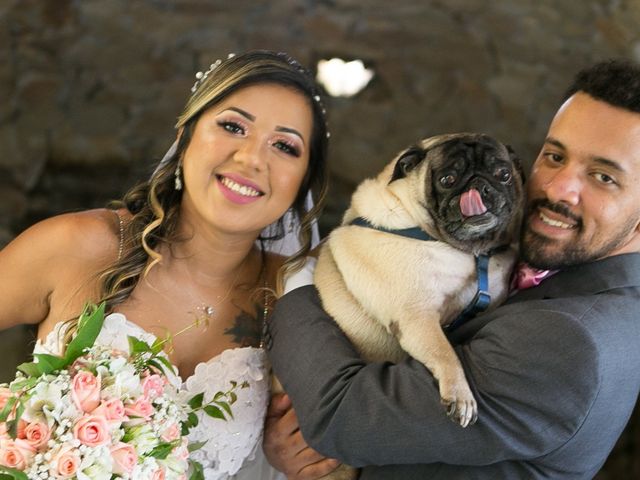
45	264
89	234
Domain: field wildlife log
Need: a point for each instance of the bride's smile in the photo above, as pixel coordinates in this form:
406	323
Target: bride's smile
247	158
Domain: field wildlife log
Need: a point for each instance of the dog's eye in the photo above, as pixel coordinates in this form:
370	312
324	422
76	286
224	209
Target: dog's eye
448	180
502	174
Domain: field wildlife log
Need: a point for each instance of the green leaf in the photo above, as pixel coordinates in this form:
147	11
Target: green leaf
30	369
12	429
7	473
19	412
12	425
196	401
157	365
24	384
8	408
192	419
137	346
193	446
49	363
230	395
162	451
165	361
214	412
196	471
189	423
157	346
89	326
226	407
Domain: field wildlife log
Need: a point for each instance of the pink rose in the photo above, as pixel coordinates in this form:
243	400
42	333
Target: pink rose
21	430
92	430
171	433
124	458
5	395
112	409
16	454
182	451
65	462
85	391
4	433
141	408
158	474
153	386
37	434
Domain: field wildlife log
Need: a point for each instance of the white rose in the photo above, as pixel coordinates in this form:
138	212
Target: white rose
117	365
175	464
128	381
146	469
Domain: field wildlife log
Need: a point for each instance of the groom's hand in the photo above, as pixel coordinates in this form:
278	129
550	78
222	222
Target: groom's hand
285	448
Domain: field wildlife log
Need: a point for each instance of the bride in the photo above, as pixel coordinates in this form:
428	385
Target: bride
194	244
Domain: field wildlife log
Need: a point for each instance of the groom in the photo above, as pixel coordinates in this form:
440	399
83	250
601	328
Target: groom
555	370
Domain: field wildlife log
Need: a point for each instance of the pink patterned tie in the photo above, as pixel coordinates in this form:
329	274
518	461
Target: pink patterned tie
527	276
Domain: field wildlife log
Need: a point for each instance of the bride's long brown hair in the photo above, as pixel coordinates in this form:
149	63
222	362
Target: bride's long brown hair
155	204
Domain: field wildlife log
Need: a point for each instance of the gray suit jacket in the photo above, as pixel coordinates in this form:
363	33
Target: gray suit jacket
556	372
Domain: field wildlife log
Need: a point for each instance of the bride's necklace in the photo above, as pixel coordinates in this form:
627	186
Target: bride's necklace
209	311
204	311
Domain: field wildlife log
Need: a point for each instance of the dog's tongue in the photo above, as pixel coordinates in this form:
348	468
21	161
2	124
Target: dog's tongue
471	203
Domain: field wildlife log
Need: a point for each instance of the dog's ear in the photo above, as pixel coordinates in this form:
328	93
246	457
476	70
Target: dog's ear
409	159
516	161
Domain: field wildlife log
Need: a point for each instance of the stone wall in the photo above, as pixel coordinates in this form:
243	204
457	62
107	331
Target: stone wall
90	89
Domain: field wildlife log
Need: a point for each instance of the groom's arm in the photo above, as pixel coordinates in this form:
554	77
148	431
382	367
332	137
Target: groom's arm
286	449
380	413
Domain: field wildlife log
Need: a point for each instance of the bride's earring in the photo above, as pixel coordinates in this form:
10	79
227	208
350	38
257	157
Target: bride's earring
178	174
292	220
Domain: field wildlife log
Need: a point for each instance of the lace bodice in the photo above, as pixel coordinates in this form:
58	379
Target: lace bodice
233	447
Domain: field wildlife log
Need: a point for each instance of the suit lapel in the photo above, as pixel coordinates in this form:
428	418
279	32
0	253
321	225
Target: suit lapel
619	271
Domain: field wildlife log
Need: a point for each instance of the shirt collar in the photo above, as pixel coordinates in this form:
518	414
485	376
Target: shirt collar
618	271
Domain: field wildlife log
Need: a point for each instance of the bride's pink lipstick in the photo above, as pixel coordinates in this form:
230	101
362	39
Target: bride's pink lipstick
237	189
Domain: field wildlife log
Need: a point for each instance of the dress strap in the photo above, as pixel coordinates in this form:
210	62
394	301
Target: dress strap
121	228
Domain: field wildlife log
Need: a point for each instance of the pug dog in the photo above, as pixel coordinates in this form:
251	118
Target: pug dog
392	294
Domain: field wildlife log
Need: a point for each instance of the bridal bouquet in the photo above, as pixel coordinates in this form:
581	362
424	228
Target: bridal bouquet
97	413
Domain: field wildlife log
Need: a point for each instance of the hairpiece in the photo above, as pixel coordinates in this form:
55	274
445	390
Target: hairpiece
202	76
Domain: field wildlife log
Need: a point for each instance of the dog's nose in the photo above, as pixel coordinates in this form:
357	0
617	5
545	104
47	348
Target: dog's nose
481	186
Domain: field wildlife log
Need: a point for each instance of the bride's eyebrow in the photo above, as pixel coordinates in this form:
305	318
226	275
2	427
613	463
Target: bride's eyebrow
290	130
245	114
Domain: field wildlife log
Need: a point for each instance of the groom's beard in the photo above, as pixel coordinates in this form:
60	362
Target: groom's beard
554	254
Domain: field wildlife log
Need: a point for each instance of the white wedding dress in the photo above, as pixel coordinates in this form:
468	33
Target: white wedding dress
234	448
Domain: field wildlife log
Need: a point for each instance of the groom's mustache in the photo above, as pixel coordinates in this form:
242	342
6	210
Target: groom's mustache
559	208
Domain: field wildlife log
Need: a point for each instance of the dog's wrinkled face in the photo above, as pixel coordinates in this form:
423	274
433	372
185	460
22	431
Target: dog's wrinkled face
470	186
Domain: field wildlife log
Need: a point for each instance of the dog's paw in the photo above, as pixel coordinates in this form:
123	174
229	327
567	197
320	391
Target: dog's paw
460	404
